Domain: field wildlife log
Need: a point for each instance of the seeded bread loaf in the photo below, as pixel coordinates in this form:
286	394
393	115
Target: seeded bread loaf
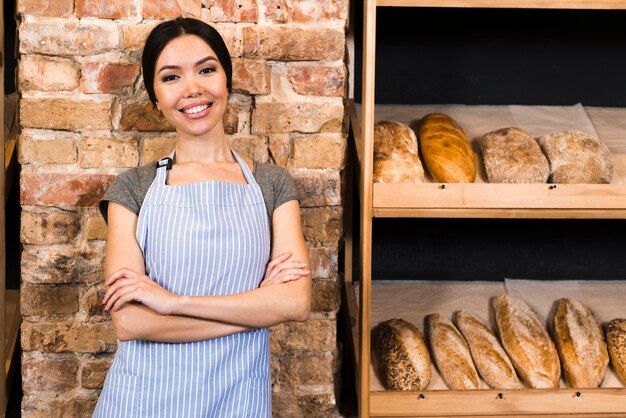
491	360
396	154
451	354
447	153
403	358
511	155
527	343
580	344
576	157
616	341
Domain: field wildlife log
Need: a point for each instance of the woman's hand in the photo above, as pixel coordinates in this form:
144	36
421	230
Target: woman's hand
282	270
126	285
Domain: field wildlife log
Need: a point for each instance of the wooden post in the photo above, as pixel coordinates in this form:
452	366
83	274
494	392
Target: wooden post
3	392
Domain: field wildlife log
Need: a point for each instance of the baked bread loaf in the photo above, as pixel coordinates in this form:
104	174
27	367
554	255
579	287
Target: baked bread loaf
576	157
403	358
616	340
446	151
580	344
527	343
396	154
511	155
451	353
491	360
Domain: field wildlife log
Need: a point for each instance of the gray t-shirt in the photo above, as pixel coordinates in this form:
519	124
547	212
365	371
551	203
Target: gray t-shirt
130	188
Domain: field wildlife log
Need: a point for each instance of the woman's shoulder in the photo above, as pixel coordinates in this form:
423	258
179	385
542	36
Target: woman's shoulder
276	184
129	188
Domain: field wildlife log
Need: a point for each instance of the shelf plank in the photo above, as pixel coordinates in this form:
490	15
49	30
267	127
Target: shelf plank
509	4
575	402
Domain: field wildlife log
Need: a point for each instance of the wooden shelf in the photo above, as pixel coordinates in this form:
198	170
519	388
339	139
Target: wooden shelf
510	4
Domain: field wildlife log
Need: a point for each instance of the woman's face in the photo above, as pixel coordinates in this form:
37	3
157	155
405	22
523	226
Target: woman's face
190	86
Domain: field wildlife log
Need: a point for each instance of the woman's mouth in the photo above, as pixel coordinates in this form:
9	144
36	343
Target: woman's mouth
196	111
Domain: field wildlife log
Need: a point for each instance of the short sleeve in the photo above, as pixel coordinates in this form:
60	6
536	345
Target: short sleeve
277	185
129	189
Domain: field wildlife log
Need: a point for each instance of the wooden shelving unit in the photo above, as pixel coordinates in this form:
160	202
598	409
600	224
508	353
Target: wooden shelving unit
478	200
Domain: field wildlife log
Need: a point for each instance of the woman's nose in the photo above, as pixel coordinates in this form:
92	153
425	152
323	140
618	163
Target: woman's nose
192	87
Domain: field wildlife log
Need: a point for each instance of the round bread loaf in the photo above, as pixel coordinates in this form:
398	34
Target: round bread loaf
616	340
580	344
403	358
490	359
446	150
511	155
396	157
576	157
527	343
451	353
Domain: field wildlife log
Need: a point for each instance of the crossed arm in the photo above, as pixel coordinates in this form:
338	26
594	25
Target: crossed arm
141	309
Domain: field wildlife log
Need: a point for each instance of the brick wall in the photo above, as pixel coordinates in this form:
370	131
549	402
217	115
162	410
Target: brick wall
86	118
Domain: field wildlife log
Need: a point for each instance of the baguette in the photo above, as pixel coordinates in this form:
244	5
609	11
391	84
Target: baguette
527	343
402	356
395	154
451	353
580	344
616	340
490	359
446	150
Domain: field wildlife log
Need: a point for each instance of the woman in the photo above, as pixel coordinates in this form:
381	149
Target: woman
189	287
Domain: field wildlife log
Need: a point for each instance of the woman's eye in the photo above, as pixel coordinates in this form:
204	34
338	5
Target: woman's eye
207	70
169	78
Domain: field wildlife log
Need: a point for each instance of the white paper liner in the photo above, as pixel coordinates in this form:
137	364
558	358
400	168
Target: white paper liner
414	300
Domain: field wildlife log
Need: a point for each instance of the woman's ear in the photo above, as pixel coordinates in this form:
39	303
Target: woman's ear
157	105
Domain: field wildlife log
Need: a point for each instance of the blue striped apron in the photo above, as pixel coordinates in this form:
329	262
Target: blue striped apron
205	238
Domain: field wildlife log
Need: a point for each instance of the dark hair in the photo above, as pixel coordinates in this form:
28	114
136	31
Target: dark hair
164	32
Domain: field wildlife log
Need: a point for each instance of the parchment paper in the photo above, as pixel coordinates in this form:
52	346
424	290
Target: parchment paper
414	300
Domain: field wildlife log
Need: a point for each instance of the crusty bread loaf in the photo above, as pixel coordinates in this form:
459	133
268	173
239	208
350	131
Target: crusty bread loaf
490	359
580	344
576	157
451	354
446	150
396	154
616	340
402	355
511	155
527	343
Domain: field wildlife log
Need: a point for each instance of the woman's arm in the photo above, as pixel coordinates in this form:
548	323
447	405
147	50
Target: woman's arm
135	321
285	294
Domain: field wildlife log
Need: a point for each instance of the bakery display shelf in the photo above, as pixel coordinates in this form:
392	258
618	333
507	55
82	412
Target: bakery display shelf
510	4
482	199
414	299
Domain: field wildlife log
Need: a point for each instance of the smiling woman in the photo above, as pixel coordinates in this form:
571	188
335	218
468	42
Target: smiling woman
205	251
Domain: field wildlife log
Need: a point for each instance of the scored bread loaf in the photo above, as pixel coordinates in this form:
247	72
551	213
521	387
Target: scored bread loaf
576	157
451	354
446	150
396	157
580	343
511	155
527	343
491	360
616	340
403	358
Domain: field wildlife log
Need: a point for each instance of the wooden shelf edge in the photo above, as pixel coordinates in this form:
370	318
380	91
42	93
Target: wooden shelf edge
509	4
488	402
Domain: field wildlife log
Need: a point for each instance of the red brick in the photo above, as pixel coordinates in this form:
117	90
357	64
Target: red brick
42	74
311	369
319	151
94	372
49	227
234	11
318	187
66	37
68	336
252	147
284	117
251	76
108	77
155	148
163	9
134	36
47	147
326	295
54	265
47	300
108	151
317	81
65	114
305	11
286	43
324	262
110	9
91	302
60	372
64	405
231	118
280	149
48	8
143	116
94	226
315	335
60	189
322	224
